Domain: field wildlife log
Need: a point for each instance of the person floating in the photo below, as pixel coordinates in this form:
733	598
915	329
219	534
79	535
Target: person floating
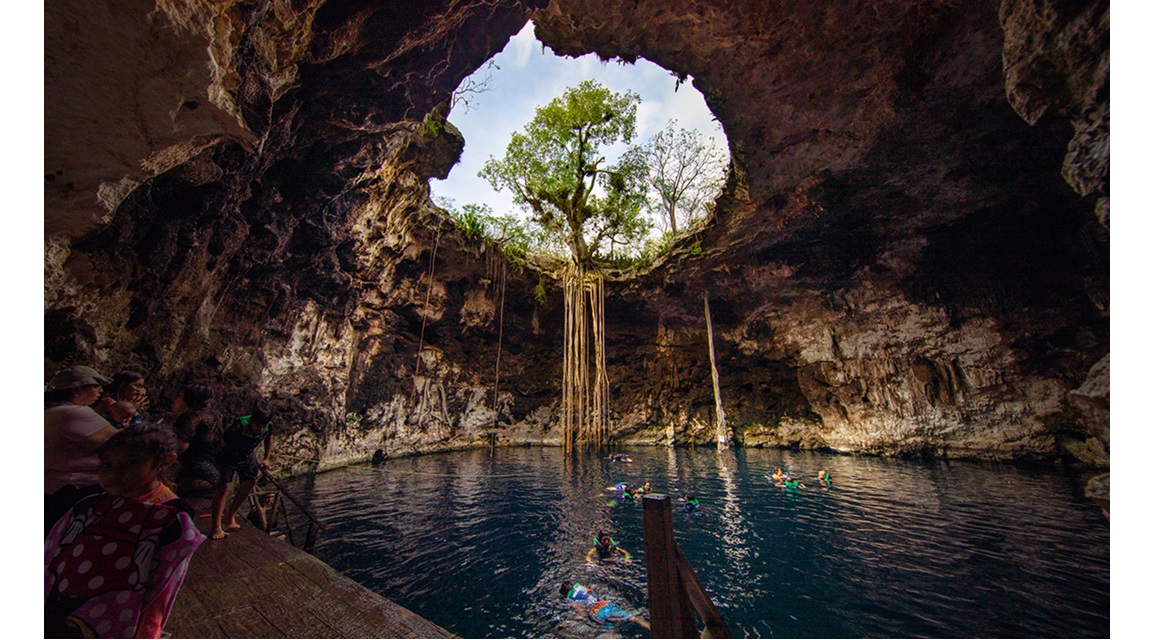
620	457
115	561
598	609
824	477
778	475
789	483
642	491
238	457
619	489
605	548
689	503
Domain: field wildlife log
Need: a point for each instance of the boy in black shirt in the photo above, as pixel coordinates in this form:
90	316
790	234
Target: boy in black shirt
238	457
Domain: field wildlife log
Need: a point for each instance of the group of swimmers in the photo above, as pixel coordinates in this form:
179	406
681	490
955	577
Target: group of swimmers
605	548
118	538
785	481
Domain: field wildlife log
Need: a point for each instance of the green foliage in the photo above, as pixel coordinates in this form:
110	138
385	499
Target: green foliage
686	174
472	221
433	126
556	172
541	291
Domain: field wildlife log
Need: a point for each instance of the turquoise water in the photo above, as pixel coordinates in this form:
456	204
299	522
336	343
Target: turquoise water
478	542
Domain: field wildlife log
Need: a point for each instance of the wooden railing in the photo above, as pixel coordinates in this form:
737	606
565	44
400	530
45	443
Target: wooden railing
278	509
674	592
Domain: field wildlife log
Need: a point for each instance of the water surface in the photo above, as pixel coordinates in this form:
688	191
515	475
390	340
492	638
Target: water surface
478	542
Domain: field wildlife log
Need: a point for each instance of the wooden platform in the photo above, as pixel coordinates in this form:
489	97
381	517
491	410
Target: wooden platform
251	585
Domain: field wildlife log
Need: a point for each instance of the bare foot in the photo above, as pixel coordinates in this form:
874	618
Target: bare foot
218	534
232	525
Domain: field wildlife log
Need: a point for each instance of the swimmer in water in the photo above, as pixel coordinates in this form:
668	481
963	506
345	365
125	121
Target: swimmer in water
689	503
598	609
789	483
778	476
824	476
605	548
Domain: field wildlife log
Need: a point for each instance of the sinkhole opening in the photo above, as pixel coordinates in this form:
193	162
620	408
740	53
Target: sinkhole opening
635	143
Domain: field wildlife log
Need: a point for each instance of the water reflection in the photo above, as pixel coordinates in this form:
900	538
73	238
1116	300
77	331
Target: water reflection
479	542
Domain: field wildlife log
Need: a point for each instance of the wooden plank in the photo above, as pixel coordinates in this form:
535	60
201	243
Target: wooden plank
715	624
372	608
252	585
670	612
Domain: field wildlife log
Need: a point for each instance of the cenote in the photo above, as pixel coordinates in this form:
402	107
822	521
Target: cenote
479	541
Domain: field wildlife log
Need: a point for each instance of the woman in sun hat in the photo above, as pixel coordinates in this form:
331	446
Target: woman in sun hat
72	432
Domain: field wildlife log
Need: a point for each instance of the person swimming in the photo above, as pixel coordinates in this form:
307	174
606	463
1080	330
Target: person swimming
689	503
620	457
789	483
620	489
605	548
778	475
824	476
598	609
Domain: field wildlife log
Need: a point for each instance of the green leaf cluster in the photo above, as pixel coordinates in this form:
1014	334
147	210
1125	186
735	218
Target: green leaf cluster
557	172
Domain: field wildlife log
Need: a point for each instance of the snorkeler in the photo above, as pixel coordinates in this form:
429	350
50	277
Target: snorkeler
620	457
778	476
598	609
605	548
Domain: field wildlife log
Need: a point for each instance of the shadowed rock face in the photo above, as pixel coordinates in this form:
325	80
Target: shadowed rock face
910	256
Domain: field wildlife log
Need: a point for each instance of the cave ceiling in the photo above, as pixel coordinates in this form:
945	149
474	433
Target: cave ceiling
214	167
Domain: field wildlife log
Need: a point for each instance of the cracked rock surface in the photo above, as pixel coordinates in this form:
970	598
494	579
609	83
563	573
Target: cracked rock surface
910	255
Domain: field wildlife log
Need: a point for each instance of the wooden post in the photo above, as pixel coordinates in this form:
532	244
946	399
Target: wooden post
670	612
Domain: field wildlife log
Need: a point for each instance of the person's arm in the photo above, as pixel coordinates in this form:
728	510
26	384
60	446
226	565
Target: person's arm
590	555
98	438
267	451
87	428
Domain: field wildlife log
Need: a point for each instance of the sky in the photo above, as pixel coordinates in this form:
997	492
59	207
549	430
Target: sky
529	77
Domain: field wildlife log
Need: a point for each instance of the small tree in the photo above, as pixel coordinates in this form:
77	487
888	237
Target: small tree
685	176
557	172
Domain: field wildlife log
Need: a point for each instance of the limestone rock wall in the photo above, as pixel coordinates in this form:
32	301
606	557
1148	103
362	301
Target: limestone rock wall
910	257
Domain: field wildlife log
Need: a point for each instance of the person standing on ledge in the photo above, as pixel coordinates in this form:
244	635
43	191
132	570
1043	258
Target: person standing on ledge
72	432
238	457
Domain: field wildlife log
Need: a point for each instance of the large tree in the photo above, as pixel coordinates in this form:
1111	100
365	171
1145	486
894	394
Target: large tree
558	172
686	173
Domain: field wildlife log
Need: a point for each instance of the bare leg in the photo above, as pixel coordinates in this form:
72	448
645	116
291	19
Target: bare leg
217	502
240	495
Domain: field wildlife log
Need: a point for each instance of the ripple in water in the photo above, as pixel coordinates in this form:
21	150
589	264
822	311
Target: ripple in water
478	542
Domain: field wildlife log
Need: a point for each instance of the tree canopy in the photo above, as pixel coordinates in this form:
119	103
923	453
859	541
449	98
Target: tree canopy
685	175
557	172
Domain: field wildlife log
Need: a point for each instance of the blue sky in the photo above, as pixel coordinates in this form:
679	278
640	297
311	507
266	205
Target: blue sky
529	77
